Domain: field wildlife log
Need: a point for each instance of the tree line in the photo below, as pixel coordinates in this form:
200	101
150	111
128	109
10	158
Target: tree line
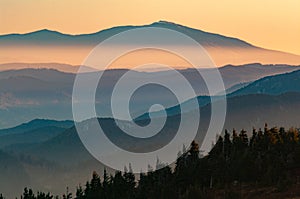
269	157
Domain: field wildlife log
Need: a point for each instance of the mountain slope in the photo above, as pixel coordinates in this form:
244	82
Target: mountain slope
30	137
254	110
271	85
12	68
49	46
242	112
36	124
27	94
45	36
277	84
66	149
13	175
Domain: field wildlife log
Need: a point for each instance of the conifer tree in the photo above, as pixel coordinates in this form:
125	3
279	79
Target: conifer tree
79	193
95	186
28	194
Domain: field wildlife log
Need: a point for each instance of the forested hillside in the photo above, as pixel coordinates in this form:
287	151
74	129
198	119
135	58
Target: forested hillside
264	165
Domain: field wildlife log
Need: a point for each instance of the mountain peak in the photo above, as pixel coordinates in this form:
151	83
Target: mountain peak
164	22
45	31
223	49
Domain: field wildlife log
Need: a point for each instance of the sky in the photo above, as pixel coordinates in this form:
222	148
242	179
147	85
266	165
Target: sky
272	24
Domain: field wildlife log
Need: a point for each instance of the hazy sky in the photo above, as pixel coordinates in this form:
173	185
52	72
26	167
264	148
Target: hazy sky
273	24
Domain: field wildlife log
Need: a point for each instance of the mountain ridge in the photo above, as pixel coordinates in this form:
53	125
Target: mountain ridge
49	45
53	99
46	36
272	85
35	124
161	23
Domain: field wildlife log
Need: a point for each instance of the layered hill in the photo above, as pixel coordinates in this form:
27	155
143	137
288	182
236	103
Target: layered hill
269	85
27	94
63	158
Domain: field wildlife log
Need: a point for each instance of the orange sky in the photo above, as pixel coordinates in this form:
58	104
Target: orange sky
273	24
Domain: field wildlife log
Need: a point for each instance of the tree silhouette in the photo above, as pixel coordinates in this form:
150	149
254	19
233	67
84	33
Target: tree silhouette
270	158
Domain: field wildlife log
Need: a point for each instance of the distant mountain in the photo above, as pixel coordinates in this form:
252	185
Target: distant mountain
13	68
254	110
235	88
27	94
46	72
232	74
30	137
36	125
64	148
56	158
242	112
271	85
277	84
46	36
48	46
63	158
40	154
67	149
245	111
